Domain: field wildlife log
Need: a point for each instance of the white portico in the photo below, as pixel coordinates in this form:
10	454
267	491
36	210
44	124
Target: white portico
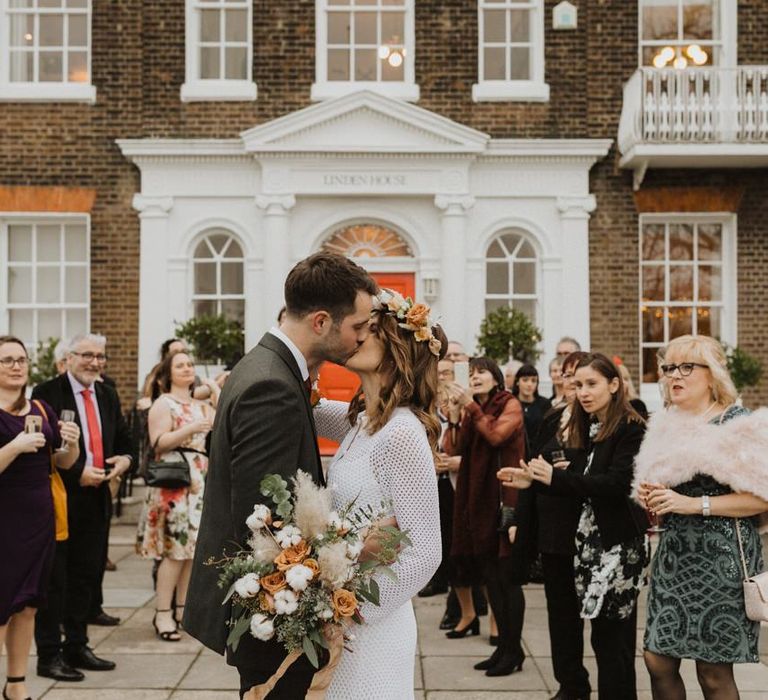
477	222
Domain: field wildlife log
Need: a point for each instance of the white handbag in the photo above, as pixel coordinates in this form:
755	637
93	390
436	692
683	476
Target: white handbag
755	587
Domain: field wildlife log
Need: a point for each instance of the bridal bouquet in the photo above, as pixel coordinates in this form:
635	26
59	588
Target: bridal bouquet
301	579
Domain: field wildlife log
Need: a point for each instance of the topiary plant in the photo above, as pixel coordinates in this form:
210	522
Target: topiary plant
745	369
44	363
214	339
508	333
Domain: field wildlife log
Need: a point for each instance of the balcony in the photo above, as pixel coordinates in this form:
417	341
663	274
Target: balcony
694	118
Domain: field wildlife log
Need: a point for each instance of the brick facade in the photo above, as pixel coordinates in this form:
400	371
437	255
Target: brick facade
138	69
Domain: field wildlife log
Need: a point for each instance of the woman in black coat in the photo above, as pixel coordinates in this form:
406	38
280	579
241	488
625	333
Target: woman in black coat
611	545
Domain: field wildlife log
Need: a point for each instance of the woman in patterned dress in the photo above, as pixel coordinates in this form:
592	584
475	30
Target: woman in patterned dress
171	517
704	467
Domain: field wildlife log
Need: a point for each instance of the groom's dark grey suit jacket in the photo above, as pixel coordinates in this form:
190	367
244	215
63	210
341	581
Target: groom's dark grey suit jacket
263	426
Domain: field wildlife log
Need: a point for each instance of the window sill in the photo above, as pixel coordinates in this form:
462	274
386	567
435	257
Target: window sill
219	91
398	91
48	92
510	91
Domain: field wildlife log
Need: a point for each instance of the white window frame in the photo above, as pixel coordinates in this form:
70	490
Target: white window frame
729	21
534	90
324	89
42	218
196	89
63	91
218	258
729	266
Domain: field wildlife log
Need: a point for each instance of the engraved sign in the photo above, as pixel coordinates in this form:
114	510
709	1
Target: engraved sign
364	180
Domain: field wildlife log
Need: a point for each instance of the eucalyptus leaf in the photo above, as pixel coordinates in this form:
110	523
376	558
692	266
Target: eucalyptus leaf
388	572
238	630
229	594
309	650
374	590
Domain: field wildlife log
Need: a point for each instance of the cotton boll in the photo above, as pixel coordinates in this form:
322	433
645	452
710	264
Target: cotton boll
247	586
288	536
354	549
286	602
260	518
298	577
262	627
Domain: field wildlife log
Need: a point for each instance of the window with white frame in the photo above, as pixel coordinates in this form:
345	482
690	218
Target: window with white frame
219	50
45	278
511	274
510	51
683	33
45	50
686	282
217	276
365	44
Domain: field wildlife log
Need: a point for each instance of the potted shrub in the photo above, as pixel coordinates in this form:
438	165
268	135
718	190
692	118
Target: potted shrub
745	369
216	341
508	333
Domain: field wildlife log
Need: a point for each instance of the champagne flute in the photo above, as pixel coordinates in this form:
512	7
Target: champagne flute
655	519
66	416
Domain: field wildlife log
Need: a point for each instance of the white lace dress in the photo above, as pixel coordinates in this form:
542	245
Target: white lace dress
395	464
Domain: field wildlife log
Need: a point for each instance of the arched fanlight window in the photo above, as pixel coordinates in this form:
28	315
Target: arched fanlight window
367	241
511	273
218	272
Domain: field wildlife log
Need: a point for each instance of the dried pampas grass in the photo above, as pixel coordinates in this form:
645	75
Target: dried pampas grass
334	564
264	547
312	506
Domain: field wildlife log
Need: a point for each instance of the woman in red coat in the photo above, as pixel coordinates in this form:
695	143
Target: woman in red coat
489	435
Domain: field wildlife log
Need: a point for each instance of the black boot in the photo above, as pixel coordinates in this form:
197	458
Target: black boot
508	663
490	662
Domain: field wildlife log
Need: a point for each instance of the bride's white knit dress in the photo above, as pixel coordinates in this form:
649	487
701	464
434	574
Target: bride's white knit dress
395	464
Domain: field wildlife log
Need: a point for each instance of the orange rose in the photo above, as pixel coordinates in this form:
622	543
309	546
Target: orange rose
292	555
422	334
274	582
344	603
417	315
313	566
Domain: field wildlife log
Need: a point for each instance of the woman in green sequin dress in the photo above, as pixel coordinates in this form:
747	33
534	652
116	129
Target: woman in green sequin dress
696	601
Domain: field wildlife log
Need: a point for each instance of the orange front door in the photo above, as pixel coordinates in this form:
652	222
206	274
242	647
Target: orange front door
341	384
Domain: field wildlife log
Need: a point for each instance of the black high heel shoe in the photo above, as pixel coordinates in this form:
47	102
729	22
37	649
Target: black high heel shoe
490	662
473	628
167	635
506	666
13	679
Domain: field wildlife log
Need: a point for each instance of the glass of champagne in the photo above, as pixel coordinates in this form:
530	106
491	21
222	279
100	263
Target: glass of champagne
655	519
66	416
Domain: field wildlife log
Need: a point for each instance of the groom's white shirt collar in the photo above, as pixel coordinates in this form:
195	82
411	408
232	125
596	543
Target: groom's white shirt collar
301	361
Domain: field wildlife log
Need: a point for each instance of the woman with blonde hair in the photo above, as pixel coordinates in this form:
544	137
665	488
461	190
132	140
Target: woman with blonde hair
704	467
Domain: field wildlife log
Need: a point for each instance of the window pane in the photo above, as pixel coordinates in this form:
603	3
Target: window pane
202	250
392	27
681	283
653	283
20	285
495	251
21	323
680	242
21	3
233	250
653	242
237	63
519	63
338	28
209	26
232	278
708	322
494	26
205	278
365	64
710	283
510	241
650	365
78	67
365	28
390	71
497	278
75	248
22	30
234	309
236	25
78	30
697	19
218	241
20	243
660	19
338	64
51	70
75	285
49	3
519	25
48	324
209	63
680	322
494	304
48	240
653	324
22	67
51	30
76	3
526	251
77	322
524	277
527	306
493	64
710	241
48	285
205	308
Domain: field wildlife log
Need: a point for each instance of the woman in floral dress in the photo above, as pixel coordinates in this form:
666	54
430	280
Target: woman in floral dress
171	518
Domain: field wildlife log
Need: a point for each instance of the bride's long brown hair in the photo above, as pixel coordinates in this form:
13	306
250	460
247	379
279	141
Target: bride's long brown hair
409	378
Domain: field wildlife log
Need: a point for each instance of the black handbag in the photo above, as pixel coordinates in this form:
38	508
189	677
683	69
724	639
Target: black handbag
169	474
507	517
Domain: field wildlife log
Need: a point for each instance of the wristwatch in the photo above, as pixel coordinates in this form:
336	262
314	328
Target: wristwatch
705	509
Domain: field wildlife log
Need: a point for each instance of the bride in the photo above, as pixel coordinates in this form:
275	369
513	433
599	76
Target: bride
388	436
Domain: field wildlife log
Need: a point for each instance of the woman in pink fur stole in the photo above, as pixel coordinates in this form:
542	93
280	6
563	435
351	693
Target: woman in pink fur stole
703	465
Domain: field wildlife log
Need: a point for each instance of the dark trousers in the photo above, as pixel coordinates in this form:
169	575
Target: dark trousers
566	628
48	618
442	576
508	604
614	645
256	662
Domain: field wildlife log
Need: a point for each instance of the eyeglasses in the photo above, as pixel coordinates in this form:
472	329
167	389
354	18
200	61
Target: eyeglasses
685	368
89	356
9	362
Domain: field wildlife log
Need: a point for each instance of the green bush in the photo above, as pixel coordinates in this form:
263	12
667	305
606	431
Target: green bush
745	369
509	333
214	339
44	363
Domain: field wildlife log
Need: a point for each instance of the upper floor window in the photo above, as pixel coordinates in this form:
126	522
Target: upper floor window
219	53
511	274
45	50
365	44
510	51
218	277
686	33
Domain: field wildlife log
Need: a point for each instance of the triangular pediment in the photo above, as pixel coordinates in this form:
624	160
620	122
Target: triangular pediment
363	122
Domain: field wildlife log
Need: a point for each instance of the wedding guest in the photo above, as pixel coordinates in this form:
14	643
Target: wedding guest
703	467
566	345
634	398
526	388
456	352
556	375
60	356
490	434
510	372
611	546
171	517
27	526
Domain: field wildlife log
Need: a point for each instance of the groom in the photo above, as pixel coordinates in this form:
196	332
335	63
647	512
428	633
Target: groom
264	425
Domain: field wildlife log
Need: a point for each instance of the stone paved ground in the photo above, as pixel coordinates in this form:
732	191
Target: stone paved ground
148	669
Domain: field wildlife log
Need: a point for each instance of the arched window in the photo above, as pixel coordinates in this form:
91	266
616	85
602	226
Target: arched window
510	273
367	241
218	267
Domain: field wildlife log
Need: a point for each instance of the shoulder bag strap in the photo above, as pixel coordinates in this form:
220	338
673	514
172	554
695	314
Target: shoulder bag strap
741	550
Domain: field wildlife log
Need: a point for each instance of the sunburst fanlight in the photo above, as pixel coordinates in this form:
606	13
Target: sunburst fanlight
367	241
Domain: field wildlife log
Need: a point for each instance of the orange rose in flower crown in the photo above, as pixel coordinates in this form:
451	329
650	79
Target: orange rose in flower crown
418	315
410	316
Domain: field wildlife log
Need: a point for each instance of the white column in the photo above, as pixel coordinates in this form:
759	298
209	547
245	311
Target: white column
277	251
574	225
153	292
453	261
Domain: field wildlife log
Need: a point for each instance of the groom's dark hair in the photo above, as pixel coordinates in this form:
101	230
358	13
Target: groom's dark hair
328	282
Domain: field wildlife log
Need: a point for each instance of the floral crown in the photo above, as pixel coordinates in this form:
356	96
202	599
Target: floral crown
410	316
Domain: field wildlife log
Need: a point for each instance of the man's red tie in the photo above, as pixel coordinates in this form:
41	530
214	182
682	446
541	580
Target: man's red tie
94	432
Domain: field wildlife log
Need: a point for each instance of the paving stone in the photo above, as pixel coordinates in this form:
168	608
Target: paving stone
488	695
36	685
120	552
211	672
449	673
70	693
141	671
202	695
142	640
127	597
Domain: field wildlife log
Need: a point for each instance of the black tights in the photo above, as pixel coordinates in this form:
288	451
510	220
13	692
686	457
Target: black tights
508	604
716	680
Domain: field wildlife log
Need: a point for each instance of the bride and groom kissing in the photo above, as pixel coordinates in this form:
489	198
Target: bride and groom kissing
265	424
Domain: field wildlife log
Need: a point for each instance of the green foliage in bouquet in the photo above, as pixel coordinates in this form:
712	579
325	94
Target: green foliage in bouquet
746	370
44	364
275	487
508	333
215	339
